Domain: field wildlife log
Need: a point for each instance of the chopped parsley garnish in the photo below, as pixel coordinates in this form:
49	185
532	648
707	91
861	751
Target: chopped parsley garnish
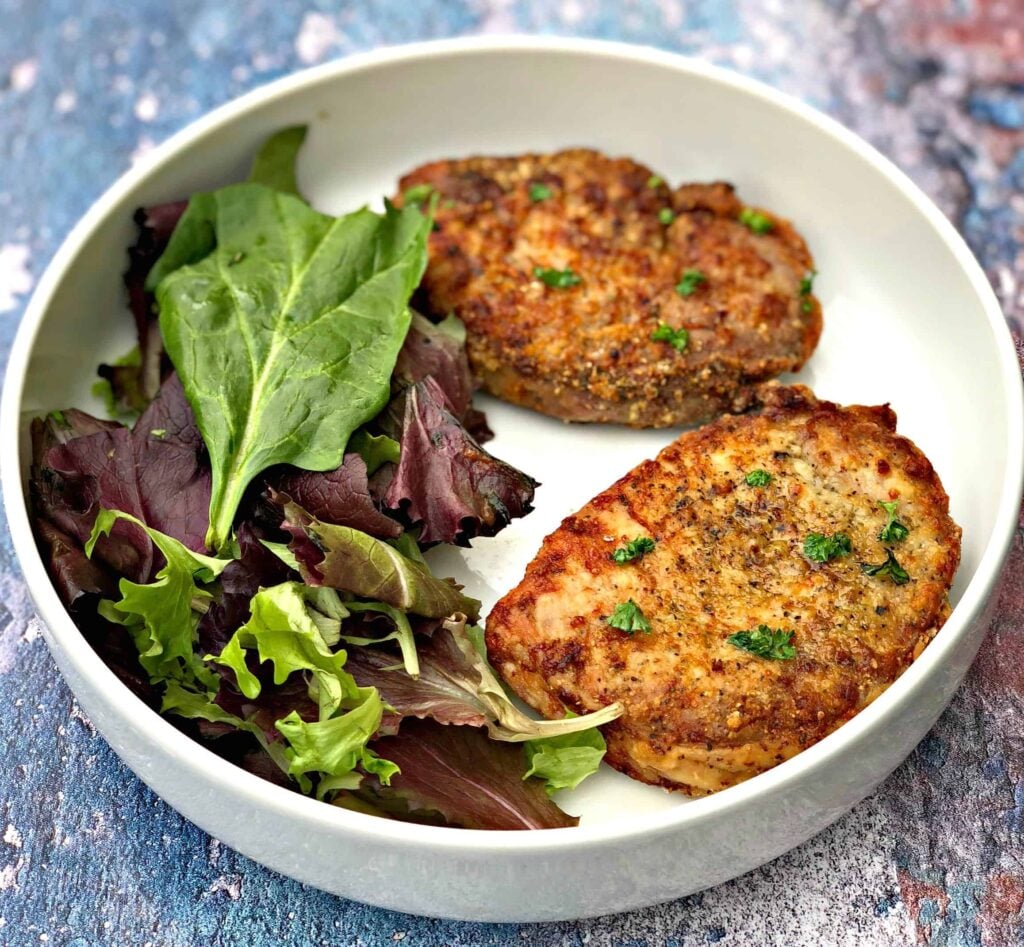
765	643
655	180
539	192
559	279
160	432
806	287
890	568
758	478
822	548
627	617
677	338
417	196
689	282
666	215
894	531
755	221
634	549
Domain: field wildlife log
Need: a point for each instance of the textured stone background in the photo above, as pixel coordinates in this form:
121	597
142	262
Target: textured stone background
89	857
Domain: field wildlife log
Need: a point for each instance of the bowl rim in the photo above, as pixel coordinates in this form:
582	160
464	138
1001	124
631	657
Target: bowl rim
231	779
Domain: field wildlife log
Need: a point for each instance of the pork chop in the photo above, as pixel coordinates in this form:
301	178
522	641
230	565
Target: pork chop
574	273
763	594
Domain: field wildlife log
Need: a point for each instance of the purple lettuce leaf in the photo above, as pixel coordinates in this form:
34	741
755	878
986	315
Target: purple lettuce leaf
467	779
74	574
434	694
438	350
445	482
157	472
340	496
135	385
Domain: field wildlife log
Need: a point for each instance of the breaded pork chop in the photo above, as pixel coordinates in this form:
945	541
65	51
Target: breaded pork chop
563	267
797	560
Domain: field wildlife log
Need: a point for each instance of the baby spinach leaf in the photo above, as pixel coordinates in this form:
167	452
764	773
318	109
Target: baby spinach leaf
274	164
286	333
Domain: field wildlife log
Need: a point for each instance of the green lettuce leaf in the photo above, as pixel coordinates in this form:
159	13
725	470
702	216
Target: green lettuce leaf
347	559
336	747
563	762
282	633
274	164
375	449
162	616
284	325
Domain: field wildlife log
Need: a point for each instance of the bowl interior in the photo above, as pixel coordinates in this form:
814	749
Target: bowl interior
903	322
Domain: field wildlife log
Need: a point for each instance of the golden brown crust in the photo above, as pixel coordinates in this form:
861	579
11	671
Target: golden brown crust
585	353
701	714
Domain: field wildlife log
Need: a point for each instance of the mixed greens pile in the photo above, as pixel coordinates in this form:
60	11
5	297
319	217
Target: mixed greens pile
247	555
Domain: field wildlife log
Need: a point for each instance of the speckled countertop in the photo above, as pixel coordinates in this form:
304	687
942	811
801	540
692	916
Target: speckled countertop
88	856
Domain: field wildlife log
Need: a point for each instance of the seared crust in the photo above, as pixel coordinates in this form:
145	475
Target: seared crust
584	353
700	713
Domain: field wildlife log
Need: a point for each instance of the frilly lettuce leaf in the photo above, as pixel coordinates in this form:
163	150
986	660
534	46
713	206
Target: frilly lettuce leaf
563	762
336	747
282	633
162	616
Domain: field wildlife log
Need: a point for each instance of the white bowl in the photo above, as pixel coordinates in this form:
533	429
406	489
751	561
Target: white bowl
909	319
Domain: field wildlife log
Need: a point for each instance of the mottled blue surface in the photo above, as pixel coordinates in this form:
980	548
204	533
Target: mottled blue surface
89	857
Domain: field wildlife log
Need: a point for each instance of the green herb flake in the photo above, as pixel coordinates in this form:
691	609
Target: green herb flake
634	549
629	618
417	195
765	643
758	478
557	279
689	282
159	432
677	338
806	288
894	531
655	180
539	192
755	221
890	568
821	548
666	215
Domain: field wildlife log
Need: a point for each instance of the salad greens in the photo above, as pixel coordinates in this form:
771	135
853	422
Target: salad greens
248	557
286	334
